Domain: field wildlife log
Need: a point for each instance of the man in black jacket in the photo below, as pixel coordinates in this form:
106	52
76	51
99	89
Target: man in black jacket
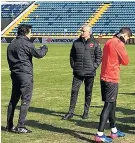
85	57
19	55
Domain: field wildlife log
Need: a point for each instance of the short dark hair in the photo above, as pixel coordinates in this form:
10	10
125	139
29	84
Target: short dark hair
23	29
126	30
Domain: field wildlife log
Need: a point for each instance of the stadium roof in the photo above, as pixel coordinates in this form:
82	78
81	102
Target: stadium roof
14	2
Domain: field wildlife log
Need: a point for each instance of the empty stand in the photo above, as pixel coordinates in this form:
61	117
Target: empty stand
66	17
12	10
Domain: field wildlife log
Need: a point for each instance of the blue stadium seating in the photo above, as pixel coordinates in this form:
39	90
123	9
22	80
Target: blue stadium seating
12	10
53	17
120	14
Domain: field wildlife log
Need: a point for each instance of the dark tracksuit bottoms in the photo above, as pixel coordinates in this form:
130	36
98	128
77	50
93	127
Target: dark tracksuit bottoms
109	92
22	87
108	112
77	80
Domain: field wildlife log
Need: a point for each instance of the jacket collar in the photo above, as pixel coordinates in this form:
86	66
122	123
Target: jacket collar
85	41
23	37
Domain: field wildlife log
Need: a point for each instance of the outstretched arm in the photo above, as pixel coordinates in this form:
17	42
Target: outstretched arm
38	52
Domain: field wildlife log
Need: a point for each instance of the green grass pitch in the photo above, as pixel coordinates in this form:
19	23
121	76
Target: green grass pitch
50	101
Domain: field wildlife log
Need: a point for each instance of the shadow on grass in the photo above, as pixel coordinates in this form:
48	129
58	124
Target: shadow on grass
75	134
46	111
126	128
122	110
94	125
127	93
125	111
126	120
3	128
85	123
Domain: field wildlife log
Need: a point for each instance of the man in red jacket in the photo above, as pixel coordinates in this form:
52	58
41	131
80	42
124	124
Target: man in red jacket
114	54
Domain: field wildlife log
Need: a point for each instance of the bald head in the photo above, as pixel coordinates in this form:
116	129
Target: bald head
86	31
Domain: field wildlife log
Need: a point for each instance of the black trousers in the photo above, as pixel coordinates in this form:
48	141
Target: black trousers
77	80
22	87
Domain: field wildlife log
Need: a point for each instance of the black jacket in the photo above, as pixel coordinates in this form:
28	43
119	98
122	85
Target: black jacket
19	55
85	57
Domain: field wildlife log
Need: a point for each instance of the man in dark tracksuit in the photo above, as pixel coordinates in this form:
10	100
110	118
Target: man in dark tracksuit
19	55
85	57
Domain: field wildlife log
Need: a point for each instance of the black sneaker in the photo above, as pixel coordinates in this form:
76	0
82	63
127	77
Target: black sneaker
85	116
68	116
23	130
13	129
